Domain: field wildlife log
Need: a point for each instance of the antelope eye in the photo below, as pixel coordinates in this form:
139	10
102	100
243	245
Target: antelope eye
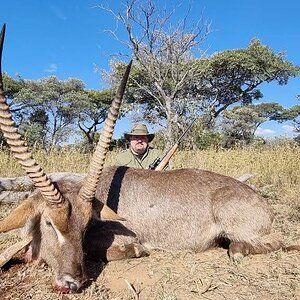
48	223
50	227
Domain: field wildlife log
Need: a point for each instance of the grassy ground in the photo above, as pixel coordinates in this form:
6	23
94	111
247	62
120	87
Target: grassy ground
183	275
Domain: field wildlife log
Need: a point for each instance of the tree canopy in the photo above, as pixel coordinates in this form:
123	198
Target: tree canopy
224	80
49	111
173	80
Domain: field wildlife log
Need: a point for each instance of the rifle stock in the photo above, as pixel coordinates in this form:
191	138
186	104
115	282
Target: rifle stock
166	158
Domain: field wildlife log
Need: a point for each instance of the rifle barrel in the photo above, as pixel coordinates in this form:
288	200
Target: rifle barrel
164	161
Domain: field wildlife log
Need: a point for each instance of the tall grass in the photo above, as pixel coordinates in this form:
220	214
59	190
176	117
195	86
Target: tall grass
277	166
63	160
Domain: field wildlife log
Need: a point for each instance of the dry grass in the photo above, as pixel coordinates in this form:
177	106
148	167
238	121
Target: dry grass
278	165
183	275
64	160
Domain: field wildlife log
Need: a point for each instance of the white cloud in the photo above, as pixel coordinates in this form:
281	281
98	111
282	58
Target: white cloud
276	131
52	68
265	132
288	128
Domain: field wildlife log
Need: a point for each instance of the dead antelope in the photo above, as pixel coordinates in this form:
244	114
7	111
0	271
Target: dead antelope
179	209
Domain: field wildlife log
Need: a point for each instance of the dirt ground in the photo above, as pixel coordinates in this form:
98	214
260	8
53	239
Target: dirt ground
176	275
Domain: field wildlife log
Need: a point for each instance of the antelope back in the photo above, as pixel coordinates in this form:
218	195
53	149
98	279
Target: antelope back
184	208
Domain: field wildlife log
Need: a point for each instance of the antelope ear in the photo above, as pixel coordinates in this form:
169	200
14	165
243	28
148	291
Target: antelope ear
18	217
108	213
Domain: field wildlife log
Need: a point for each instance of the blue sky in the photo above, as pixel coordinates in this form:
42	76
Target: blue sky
67	38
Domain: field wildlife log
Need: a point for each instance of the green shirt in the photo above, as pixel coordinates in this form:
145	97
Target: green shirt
128	159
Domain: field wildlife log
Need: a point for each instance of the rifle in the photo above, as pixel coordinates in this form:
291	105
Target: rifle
160	164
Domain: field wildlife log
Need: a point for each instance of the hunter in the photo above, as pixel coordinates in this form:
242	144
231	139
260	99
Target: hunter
139	154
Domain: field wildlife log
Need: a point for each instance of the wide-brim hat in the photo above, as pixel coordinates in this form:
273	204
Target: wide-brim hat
139	129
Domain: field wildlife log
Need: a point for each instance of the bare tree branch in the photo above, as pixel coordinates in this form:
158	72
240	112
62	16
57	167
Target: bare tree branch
165	53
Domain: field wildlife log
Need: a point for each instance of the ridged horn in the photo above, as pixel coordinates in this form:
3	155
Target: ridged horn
88	190
18	147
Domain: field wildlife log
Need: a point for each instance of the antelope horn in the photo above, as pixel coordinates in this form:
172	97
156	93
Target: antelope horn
88	190
20	150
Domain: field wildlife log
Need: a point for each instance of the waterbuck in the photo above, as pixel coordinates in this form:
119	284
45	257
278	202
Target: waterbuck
176	209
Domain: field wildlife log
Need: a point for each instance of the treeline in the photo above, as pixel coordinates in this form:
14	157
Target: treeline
221	102
172	82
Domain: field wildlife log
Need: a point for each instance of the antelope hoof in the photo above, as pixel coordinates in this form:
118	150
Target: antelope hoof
140	250
237	258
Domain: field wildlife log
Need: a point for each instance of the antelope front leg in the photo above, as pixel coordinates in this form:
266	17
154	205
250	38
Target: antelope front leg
125	251
110	241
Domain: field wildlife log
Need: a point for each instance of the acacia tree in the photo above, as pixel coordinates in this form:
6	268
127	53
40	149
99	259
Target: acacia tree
234	76
172	81
295	111
291	114
52	109
34	128
92	113
11	88
240	123
55	98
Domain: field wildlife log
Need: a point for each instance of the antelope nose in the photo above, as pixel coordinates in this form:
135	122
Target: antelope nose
67	284
73	286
